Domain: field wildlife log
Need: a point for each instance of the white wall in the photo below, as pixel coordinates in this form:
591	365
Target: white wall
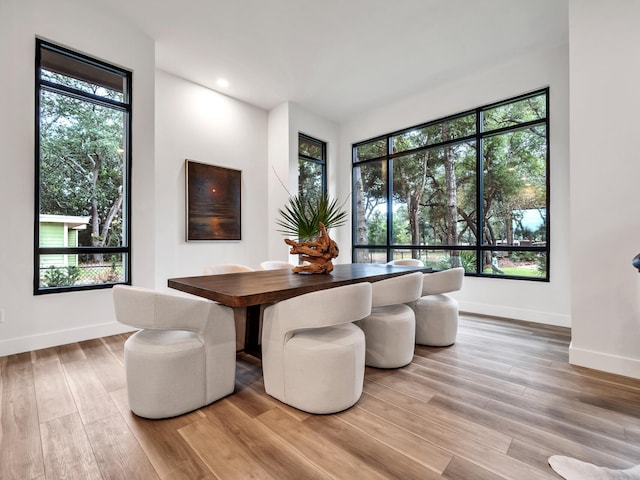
286	121
195	123
32	322
531	301
281	180
605	168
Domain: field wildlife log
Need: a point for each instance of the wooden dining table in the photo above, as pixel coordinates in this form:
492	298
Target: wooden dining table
254	290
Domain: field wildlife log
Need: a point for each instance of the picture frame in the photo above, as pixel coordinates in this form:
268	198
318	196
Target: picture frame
213	202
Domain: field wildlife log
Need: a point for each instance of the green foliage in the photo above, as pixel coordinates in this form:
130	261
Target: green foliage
301	219
523	256
309	180
377	229
61	276
468	260
542	264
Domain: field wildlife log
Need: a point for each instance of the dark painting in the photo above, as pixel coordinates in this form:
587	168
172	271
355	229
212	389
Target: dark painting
213	202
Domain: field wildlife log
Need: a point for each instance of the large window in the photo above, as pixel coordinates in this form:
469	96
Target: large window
312	168
468	190
83	131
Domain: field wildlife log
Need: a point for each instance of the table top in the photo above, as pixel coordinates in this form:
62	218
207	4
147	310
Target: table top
267	286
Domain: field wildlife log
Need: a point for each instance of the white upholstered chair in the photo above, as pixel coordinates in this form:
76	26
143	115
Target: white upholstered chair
437	313
276	265
413	262
312	355
221	268
390	328
184	356
239	313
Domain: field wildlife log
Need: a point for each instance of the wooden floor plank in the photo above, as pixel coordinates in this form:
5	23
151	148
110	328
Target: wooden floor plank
419	449
513	427
165	448
67	452
567	430
70	353
475	452
318	450
89	394
20	442
225	457
115	344
52	390
117	451
463	428
16	372
461	469
262	445
373	451
105	364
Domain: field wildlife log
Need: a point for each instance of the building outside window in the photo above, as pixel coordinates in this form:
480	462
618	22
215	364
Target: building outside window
468	190
82	165
312	168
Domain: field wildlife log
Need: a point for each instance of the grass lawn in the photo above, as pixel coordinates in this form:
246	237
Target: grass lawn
518	271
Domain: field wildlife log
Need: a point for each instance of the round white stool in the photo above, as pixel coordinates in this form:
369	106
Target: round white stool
390	336
436	320
326	365
165	372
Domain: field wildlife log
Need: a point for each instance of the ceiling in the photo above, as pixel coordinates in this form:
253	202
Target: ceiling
338	58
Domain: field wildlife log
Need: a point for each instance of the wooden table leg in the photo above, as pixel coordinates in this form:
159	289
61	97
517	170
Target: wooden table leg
252	331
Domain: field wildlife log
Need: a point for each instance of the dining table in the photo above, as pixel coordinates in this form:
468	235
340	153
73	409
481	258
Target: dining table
257	289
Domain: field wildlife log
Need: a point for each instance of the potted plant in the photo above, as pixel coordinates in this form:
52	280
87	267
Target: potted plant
301	218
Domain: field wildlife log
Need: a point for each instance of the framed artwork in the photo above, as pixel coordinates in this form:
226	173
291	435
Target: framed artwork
213	202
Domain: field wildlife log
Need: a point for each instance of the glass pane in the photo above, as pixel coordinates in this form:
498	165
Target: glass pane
370	191
440	259
533	108
405	253
310	176
81	172
435	133
517	264
67	71
310	148
370	255
434	196
375	149
515	190
77	270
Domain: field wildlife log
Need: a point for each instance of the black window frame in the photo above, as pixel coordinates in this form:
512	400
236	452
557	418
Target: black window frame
322	160
126	106
478	137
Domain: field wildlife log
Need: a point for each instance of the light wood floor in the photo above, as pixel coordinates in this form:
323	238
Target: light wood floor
493	406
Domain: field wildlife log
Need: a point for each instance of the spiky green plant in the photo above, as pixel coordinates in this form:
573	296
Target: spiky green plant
301	218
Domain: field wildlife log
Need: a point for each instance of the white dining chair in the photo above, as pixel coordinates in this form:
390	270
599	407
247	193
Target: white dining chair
390	328
276	265
183	358
413	262
312	353
436	312
222	268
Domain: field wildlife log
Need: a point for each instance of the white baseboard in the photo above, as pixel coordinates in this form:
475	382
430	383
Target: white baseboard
547	318
60	337
629	367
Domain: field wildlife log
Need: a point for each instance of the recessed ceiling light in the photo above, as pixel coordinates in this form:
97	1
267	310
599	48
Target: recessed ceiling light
222	82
